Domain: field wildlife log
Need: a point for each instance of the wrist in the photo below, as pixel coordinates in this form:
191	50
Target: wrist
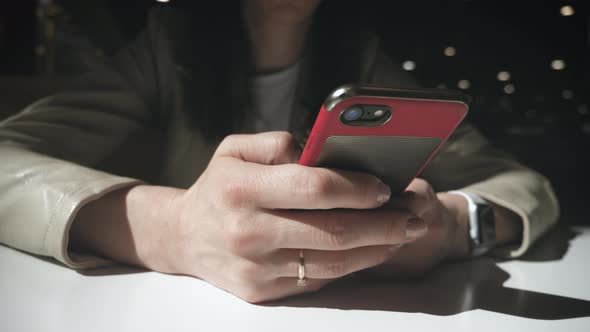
508	225
488	224
151	216
457	207
98	228
125	225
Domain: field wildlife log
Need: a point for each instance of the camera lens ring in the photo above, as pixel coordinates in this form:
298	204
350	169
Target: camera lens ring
352	114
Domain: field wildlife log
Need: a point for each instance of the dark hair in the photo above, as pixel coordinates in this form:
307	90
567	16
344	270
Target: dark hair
220	60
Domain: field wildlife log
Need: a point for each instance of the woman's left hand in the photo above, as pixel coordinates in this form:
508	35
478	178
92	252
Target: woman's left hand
447	238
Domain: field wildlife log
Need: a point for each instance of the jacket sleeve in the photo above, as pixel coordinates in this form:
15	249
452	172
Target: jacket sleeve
468	162
48	150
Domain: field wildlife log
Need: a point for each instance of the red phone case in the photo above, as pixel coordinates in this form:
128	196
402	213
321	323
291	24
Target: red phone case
396	151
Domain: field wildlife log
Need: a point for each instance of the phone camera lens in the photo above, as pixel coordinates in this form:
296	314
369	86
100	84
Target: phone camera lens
352	114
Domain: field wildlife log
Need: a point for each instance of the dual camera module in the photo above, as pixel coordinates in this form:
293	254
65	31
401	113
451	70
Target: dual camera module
365	115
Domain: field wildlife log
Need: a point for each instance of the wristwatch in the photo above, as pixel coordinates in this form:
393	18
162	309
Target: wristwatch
482	226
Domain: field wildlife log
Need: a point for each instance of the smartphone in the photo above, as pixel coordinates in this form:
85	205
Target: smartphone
388	132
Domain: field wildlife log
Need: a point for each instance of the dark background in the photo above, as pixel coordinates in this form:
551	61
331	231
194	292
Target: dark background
540	115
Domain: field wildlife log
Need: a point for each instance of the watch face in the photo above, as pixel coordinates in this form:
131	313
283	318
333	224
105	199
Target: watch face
487	226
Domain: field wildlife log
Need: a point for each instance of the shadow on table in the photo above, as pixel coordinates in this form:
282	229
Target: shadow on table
553	246
453	289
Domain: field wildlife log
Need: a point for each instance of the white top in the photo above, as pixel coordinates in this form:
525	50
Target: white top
480	295
274	97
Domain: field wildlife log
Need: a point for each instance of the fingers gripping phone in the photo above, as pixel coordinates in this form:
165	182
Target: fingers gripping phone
390	133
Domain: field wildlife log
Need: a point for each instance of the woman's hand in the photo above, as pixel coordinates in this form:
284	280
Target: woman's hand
241	225
447	219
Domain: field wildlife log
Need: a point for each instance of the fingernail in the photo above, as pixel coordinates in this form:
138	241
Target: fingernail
384	193
415	228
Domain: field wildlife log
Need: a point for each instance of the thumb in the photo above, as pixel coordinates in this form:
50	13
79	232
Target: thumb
270	148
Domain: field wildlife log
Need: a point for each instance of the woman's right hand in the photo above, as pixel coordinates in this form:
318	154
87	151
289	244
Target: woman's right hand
241	225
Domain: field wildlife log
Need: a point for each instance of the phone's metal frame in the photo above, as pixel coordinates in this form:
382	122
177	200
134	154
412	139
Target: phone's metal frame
352	90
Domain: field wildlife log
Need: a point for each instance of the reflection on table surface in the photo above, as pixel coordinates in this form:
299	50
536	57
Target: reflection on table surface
546	290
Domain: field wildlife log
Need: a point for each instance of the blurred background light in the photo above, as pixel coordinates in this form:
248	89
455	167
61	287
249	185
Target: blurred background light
567	10
503	76
567	94
464	84
450	51
409	65
509	89
558	64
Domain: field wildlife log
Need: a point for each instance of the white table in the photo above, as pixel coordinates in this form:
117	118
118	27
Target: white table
549	291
